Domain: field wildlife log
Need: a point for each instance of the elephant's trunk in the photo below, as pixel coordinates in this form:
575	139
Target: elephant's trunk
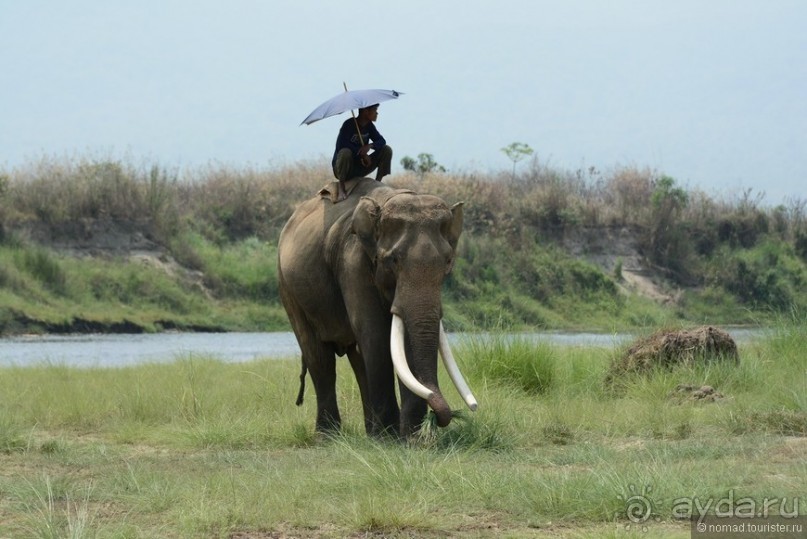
399	362
428	389
441	409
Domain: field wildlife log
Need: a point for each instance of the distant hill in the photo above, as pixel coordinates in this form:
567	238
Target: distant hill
88	244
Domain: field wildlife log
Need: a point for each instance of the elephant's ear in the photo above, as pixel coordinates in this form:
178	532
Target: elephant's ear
365	224
454	227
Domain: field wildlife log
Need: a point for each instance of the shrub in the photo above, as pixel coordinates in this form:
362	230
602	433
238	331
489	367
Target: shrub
667	239
44	267
800	244
764	277
618	270
628	190
742	229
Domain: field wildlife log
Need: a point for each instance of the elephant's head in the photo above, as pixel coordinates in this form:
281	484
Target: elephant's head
411	240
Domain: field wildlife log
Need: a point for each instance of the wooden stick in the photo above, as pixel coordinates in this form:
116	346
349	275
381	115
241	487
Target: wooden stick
355	121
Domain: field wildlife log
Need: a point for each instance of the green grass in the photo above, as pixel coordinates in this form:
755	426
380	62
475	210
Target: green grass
233	285
43	291
538	286
246	269
202	448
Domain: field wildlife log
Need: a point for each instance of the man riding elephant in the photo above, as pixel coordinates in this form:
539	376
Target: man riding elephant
352	157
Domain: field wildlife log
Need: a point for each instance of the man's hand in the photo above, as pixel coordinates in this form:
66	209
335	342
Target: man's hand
363	157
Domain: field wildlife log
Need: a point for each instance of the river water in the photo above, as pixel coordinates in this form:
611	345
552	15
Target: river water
120	350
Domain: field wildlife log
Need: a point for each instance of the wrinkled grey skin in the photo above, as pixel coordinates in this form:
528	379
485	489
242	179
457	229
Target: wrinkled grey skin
343	270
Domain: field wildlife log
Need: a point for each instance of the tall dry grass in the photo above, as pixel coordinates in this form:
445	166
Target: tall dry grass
237	202
219	199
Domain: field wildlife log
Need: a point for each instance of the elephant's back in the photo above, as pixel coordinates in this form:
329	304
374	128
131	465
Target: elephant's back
303	238
302	232
299	251
314	219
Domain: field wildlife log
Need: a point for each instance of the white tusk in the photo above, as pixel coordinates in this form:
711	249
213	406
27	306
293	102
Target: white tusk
396	345
454	371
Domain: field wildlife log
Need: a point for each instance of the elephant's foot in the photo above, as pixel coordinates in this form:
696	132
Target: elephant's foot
385	435
413	413
384	426
328	422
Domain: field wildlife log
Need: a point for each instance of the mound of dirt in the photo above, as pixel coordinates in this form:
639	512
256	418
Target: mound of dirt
667	349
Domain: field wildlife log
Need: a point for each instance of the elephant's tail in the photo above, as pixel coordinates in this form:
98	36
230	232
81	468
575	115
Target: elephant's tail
302	385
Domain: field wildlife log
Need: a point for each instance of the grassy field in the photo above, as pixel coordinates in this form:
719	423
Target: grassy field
201	448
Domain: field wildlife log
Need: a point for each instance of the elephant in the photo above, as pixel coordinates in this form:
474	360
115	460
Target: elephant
363	277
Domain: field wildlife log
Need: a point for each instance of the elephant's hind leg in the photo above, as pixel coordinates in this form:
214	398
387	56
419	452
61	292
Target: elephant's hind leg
320	359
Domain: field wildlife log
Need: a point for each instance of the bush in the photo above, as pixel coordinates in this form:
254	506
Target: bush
800	244
44	267
742	229
667	240
628	193
765	277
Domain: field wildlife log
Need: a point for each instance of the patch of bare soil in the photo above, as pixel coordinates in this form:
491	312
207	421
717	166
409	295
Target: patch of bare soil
792	449
108	238
695	393
483	529
616	250
641	282
667	349
93	237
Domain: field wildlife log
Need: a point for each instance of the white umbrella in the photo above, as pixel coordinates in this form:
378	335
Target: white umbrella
349	100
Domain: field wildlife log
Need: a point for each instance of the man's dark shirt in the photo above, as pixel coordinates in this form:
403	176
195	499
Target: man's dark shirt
349	138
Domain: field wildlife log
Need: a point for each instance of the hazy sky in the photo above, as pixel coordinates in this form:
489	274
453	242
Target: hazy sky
711	92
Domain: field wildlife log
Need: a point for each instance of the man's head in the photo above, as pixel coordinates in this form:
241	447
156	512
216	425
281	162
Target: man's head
369	113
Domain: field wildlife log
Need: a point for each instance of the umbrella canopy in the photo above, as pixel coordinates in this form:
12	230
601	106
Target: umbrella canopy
349	100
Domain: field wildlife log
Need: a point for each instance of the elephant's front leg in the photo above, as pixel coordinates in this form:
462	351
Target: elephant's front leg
413	411
383	406
370	322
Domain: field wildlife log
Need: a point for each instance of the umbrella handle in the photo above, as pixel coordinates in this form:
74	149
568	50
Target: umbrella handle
355	121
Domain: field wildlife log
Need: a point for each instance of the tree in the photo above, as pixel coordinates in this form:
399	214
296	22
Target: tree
517	151
424	164
670	242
